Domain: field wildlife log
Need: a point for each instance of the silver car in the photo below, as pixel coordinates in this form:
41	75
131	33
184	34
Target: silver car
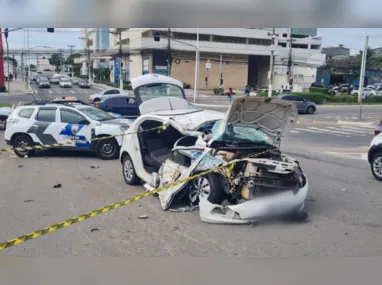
303	105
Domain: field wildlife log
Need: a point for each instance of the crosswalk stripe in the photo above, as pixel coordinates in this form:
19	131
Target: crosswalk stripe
72	92
294	132
50	91
359	128
321	132
368	131
329	131
357	133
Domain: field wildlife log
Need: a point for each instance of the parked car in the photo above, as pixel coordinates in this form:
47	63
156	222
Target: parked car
43	82
193	141
375	156
303	105
122	105
367	92
68	121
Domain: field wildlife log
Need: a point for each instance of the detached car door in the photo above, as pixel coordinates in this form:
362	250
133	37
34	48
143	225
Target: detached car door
74	128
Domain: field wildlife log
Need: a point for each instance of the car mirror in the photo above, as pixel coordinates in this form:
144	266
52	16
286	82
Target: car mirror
84	122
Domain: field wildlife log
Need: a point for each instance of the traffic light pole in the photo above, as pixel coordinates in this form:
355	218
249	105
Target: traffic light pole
2	83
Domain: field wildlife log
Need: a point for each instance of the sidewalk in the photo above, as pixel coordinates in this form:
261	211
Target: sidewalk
17	87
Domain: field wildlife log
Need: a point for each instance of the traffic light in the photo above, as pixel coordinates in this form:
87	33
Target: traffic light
50	30
157	36
6	33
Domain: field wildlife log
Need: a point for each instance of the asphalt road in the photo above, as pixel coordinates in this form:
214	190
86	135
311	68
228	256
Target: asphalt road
344	204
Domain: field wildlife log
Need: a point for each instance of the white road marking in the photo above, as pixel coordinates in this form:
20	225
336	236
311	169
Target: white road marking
72	92
50	91
321	132
352	155
294	132
357	130
356	133
329	131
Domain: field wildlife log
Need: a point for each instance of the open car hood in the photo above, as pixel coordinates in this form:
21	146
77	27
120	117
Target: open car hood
273	116
163	104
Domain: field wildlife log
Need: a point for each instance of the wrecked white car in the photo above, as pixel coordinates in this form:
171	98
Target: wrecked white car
261	181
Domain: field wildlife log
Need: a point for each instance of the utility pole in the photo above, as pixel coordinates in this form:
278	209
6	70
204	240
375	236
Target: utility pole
88	52
169	57
290	60
362	76
271	65
71	49
197	55
22	64
119	33
61	56
221	77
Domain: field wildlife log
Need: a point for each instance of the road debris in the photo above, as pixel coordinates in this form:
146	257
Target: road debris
94	166
28	201
94	230
57	185
143	217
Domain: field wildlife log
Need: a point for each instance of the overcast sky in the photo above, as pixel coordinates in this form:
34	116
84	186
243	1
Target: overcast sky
349	37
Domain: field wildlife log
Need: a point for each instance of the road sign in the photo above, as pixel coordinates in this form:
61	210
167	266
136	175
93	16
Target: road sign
208	65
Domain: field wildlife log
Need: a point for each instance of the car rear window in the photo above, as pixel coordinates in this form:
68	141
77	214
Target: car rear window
26	113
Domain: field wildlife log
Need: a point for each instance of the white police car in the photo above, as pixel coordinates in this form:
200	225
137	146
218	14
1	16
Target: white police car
70	122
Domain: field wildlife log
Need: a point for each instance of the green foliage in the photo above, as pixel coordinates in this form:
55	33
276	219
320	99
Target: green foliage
56	59
126	85
324	91
2	89
265	94
11	59
218	91
341	99
317	98
5	104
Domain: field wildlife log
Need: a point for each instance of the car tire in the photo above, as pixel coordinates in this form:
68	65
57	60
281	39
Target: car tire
310	110
128	171
96	100
196	187
20	141
3	122
376	162
107	149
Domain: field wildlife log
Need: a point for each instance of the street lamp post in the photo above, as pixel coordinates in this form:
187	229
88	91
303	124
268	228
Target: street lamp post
29	63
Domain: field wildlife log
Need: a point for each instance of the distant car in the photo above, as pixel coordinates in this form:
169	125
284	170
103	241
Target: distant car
65	83
75	81
119	104
375	156
303	105
99	96
83	84
43	82
55	80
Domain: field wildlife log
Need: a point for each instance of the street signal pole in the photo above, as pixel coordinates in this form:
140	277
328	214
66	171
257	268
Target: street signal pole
88	51
119	33
271	65
362	76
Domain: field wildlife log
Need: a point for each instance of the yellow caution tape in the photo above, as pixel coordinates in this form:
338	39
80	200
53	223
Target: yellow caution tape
47	146
106	209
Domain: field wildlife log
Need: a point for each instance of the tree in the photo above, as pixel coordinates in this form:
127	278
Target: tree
56	59
11	59
70	59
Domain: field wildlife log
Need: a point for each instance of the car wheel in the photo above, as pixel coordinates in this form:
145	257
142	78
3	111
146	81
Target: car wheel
355	94
207	186
96	100
310	110
23	141
3	122
376	166
128	171
107	149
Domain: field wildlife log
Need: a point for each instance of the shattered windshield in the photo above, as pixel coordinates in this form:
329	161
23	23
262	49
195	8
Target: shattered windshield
240	135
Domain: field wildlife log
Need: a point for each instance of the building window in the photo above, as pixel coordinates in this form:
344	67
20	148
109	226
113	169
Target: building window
285	35
233	40
121	30
315	47
299	46
283	45
147	34
124	42
260	42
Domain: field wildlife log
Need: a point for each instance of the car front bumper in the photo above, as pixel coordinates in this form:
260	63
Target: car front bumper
254	210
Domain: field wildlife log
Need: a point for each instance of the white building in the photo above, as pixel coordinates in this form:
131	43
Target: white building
245	55
98	42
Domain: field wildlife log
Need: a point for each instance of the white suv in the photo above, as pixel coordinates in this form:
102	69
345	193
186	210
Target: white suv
72	123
